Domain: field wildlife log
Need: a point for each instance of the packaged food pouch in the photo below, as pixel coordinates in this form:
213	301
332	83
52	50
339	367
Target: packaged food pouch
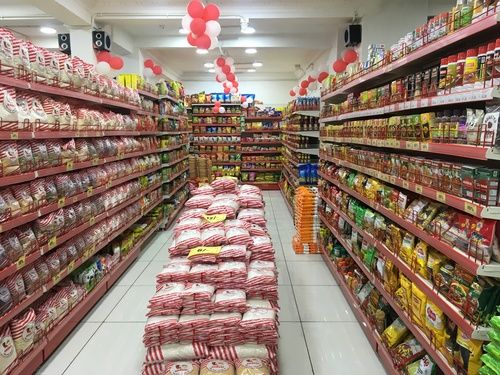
434	261
493	348
182	368
252	366
391	276
486	370
468	353
216	367
23	196
407	247
8	353
23	331
426	366
407	351
9	158
434	321
395	333
403	294
420	256
418	303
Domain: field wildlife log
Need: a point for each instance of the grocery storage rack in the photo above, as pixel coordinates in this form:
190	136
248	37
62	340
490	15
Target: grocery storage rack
345	145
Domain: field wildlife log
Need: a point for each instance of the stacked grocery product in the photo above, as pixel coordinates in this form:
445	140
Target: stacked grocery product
217	136
215	307
200	169
410	194
261	164
306	221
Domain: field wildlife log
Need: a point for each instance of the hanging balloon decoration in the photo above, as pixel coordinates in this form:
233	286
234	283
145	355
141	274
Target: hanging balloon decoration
349	55
151	69
106	63
322	76
201	24
339	66
224	73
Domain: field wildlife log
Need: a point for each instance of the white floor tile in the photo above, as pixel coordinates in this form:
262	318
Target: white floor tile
132	273
133	305
292	350
288	307
322	304
291	256
148	276
283	278
107	303
340	349
310	273
116	348
162	256
68	350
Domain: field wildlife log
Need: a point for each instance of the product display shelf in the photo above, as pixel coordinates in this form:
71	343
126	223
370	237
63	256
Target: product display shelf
259	152
148	94
170	98
310	151
175	132
305	133
216	124
311	113
371	334
55	241
261	169
422	338
248	143
484	28
463	204
222	162
147	113
424	285
258	131
67	93
262	118
42	351
470	96
169	116
66	201
215	143
164	165
167	222
216	114
289	204
215	134
461	258
175	175
463	151
222	104
264	185
8	135
175	190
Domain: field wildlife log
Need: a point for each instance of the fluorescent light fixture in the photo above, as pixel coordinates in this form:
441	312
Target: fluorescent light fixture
208	65
245	27
182	31
257	64
251	70
211	70
48	30
251	51
200	51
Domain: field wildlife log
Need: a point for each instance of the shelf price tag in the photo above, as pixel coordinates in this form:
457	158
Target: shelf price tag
470	208
71	266
418	189
108	184
406	185
396	144
92	220
95	161
214	218
52	242
61	202
56	278
21	262
69	165
14	135
440	196
90	191
424	147
205	250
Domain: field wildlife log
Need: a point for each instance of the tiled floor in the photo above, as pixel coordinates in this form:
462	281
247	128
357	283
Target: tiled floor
318	332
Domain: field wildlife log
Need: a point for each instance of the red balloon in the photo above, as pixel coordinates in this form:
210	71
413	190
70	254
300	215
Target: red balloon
226	69
302	91
292	93
104	56
157	70
235	84
221	61
203	42
215	109
322	76
195	9
227	90
243	99
217	79
350	56
230	77
304	84
211	12
339	66
192	39
198	26
217	103
116	62
311	79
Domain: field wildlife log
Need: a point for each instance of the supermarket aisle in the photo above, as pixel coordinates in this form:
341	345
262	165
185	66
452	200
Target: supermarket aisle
319	333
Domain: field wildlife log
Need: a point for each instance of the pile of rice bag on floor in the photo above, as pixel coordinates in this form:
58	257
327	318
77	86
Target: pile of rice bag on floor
215	310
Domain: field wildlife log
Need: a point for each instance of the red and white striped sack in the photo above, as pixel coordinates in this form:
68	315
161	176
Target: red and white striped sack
188	239
231	275
174	272
23	54
203	273
238	236
8	108
23	331
263	256
168	294
216	367
224	206
213	236
236	223
230	300
224	184
224	329
252	366
263	265
16	43
232	253
199	201
257	230
197	308
154	369
260	277
160	330
203	190
250	189
187	224
6	52
261	244
193	328
8	355
176	352
250	201
253	216
232	353
260	326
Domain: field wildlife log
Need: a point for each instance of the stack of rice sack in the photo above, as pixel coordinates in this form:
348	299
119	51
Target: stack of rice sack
215	310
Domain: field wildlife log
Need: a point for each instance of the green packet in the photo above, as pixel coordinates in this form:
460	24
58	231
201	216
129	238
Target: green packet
493	348
489	361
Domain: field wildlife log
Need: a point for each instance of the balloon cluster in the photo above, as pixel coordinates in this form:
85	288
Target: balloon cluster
224	70
348	56
245	102
313	82
201	25
106	62
150	69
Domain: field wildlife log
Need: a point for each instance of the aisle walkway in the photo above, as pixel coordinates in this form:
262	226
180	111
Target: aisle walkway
319	333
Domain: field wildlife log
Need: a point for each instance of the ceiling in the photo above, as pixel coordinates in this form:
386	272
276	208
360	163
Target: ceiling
288	32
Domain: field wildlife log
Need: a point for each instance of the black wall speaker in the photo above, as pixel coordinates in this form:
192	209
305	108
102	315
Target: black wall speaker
64	43
101	40
352	35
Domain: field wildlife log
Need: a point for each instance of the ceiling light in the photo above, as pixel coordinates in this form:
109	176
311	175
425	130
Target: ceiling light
182	31
251	70
251	51
257	64
48	30
200	51
245	27
211	70
208	65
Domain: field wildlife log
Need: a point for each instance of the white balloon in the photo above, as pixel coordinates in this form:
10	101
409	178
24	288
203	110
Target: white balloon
102	67
313	85
186	22
234	90
214	42
222	110
296	89
218	69
229	61
212	28
244	105
148	72
250	100
229	85
232	68
222	77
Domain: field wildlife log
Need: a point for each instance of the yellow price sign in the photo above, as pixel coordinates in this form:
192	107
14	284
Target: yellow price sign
418	189
71	266
14	135
424	147
69	165
392	179
90	191
109	184
21	262
470	208
214	218
52	242
406	185
61	202
95	161
57	278
92	220
205	250
440	196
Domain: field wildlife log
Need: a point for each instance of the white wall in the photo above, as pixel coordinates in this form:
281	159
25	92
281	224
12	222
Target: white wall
272	93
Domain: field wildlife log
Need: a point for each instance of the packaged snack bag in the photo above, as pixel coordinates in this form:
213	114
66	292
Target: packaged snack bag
418	303
252	366
216	367
395	333
8	355
435	321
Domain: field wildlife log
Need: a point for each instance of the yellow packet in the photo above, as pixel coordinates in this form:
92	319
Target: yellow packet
420	255
435	321
407	247
418	303
395	333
